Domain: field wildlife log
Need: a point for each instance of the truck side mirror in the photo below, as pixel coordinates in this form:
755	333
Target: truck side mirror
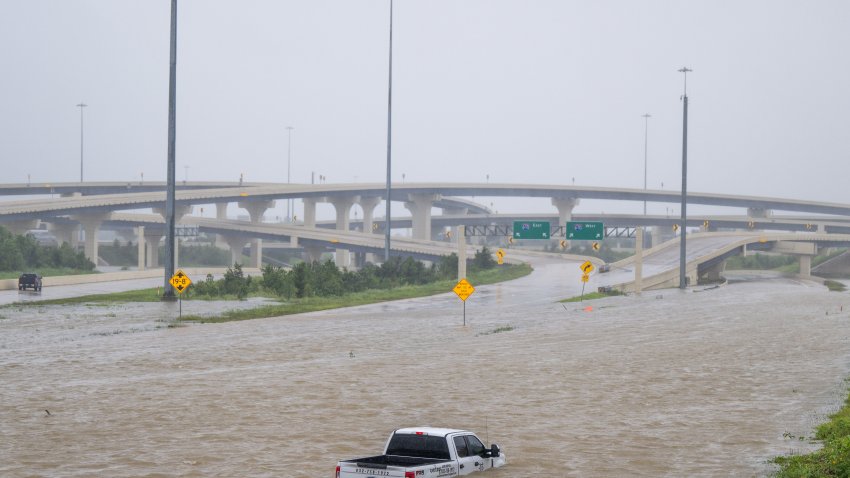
494	451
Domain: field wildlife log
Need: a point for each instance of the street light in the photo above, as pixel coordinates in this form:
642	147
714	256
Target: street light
389	141
289	171
81	106
682	250
645	143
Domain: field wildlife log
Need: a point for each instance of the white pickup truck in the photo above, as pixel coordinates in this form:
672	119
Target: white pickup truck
425	453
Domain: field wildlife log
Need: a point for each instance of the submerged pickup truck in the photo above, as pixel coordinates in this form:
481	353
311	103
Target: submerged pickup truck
425	453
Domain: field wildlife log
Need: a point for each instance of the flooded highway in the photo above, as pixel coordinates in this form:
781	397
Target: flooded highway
669	383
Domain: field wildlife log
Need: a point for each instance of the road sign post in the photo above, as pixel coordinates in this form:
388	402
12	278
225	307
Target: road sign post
463	289
181	282
531	230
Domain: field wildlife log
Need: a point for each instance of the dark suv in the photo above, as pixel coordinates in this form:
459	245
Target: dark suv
29	280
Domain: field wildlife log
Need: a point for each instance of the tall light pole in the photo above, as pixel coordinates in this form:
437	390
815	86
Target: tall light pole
645	144
289	171
682	256
168	291
388	222
81	106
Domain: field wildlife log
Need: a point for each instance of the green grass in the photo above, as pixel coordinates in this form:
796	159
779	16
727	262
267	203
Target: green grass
835	286
593	295
297	306
313	304
833	460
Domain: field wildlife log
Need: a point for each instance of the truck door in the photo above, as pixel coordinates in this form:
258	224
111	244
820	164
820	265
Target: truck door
467	461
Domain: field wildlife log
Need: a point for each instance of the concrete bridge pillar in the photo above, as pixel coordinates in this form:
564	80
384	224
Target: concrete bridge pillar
236	243
69	233
91	225
565	210
256	209
140	247
368	204
343	222
151	248
221	210
313	252
656	236
806	266
21	227
420	206
179	212
310	212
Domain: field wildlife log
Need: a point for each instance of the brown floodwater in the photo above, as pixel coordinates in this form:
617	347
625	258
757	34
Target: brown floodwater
669	383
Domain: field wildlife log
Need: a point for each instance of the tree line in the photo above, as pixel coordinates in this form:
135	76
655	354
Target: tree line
325	279
19	253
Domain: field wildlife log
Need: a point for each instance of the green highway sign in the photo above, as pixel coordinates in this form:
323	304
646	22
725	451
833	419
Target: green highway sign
589	231
531	230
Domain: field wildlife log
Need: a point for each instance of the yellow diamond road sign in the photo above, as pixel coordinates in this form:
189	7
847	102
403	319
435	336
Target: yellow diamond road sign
500	252
463	289
587	267
180	281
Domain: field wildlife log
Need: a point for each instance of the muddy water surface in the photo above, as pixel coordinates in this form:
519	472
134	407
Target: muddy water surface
709	384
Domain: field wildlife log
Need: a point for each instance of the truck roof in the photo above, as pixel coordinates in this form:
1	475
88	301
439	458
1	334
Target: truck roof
430	431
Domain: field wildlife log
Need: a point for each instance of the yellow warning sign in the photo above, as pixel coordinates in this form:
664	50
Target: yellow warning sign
463	289
585	277
180	281
587	267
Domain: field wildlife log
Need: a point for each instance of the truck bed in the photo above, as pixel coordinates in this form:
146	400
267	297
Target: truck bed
383	461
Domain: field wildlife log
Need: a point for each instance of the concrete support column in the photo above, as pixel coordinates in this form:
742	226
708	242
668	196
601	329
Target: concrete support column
343	223
69	233
806	266
565	210
20	227
420	206
236	243
656	236
91	225
140	240
368	204
309	212
313	253
221	210
256	209
152	249
179	212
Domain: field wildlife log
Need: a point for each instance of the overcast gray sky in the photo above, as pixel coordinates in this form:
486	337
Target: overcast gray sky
539	91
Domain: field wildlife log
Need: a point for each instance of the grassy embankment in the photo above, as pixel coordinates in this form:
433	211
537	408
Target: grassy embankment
592	295
833	460
306	304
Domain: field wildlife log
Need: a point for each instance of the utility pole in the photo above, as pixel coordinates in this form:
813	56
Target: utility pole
81	106
288	172
388	222
645	145
167	290
682	249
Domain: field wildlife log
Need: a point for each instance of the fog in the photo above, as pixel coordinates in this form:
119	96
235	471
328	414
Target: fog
548	92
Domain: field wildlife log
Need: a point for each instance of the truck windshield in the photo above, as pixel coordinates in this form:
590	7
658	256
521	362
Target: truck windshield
422	446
